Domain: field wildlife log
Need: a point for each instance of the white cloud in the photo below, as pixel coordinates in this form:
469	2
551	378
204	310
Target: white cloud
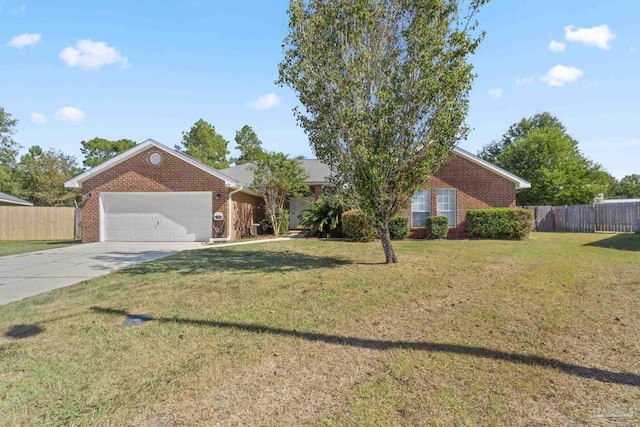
38	118
23	40
633	49
596	36
91	55
524	80
266	102
555	46
635	142
561	75
495	93
70	114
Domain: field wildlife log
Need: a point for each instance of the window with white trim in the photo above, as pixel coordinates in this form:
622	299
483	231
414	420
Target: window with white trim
420	208
446	204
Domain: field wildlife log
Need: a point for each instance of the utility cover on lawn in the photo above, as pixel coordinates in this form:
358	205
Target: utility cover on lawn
136	320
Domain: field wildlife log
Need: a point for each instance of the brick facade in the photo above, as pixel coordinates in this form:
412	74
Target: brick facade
137	174
476	188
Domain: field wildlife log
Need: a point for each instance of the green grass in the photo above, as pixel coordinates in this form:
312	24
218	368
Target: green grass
23	246
540	332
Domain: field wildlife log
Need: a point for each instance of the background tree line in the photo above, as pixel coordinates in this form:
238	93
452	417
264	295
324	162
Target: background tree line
39	175
537	148
540	150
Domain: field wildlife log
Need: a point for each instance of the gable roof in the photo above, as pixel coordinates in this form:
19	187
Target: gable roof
319	172
76	182
7	198
520	183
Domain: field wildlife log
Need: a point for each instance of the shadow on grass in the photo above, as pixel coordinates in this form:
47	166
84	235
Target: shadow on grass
241	261
625	378
623	242
23	331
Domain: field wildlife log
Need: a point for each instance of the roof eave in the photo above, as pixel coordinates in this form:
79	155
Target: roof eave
15	202
76	182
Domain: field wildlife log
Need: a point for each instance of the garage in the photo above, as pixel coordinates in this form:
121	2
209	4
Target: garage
162	216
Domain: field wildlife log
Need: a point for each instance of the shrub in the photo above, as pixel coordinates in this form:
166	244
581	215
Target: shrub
324	218
437	227
267	228
499	223
399	227
357	226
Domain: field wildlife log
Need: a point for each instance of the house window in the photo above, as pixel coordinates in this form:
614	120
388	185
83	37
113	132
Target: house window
447	204
420	208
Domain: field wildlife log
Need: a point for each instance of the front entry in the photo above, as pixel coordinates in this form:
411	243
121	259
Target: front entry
296	206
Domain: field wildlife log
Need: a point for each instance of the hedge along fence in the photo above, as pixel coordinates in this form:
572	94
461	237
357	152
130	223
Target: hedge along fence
499	223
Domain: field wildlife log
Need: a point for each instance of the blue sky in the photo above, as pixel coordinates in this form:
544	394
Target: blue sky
73	70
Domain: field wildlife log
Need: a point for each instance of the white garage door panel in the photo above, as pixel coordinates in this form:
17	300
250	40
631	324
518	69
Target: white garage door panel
157	216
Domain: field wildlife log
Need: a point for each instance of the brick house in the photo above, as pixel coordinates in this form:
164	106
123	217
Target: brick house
154	193
463	182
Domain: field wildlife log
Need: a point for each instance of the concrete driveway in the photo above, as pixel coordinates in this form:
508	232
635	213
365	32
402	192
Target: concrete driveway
33	273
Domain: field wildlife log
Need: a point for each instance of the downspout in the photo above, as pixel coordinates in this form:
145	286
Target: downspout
228	238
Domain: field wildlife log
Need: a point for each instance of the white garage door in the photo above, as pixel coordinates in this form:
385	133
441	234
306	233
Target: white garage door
145	217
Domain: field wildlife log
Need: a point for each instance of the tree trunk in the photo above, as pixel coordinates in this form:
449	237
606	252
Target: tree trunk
389	253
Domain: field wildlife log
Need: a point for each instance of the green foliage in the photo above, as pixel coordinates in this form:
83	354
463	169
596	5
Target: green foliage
99	150
324	218
437	227
399	227
545	155
43	174
491	152
9	182
356	225
205	144
384	87
277	178
249	145
627	188
499	223
266	226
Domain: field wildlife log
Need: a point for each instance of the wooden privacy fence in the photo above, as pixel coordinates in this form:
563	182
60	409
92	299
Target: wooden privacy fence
611	217
39	223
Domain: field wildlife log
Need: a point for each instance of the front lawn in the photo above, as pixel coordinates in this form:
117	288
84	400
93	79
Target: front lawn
23	246
541	332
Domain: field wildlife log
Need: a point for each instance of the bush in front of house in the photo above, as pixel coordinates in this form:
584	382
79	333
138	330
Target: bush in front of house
324	218
267	228
357	226
399	227
499	223
437	227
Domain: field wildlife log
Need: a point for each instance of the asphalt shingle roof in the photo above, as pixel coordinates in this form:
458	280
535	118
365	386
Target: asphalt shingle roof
319	172
11	199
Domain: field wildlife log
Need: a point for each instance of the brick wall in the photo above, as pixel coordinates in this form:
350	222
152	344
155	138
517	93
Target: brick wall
138	175
477	188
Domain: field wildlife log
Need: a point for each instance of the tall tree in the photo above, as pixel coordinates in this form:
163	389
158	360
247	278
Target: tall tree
205	144
249	145
44	174
99	150
491	151
384	85
277	178
559	174
8	151
627	188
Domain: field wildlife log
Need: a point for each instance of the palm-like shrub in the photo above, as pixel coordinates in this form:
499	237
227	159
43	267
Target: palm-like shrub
324	218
